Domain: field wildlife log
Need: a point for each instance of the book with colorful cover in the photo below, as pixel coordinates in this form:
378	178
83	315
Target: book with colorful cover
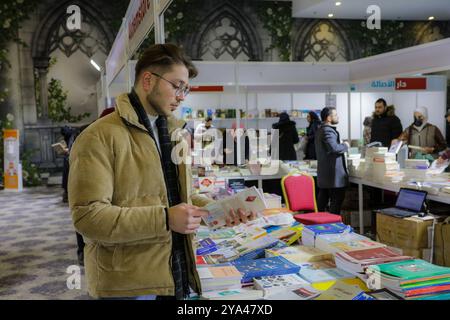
412	269
300	254
249	199
265	267
298	292
206	246
363	296
234	294
355	245
273	284
310	232
341	291
327	228
312	274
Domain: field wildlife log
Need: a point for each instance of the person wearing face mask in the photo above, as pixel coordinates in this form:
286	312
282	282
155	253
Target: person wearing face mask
423	134
332	174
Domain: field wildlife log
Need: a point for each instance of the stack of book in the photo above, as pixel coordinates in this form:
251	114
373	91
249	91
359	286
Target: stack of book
356	167
215	278
380	163
411	279
310	233
356	261
299	254
274	284
339	242
322	271
264	267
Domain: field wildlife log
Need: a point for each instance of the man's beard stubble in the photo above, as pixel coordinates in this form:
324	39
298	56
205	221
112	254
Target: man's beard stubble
152	99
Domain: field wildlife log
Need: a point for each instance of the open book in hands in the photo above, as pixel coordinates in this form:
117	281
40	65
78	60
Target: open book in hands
249	200
60	147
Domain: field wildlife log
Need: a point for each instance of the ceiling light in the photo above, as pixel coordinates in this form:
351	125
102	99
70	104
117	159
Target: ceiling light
338	3
96	66
431	18
330	15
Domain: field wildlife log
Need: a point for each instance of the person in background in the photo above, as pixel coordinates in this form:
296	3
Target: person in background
231	151
447	133
367	130
314	123
287	137
332	174
386	126
70	134
423	134
203	127
128	198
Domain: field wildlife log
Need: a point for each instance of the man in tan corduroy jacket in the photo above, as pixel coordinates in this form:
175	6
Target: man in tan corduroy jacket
117	191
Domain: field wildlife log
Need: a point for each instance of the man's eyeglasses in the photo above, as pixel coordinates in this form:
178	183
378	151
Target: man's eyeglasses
179	89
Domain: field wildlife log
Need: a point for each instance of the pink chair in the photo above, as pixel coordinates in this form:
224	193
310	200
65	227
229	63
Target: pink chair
300	195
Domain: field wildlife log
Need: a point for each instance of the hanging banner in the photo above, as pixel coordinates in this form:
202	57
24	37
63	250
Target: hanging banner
12	169
410	83
140	22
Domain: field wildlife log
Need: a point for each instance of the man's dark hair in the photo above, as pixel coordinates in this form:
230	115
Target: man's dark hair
208	119
326	112
163	57
382	101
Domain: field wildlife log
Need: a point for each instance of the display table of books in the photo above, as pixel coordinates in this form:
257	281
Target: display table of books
276	258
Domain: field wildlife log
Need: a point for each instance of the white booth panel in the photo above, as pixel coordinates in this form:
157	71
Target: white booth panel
202	100
278	101
405	103
436	104
214	73
356	118
309	101
342	110
232	101
263	73
251	102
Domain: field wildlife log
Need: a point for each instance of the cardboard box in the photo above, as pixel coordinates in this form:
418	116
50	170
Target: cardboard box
408	233
442	243
416	253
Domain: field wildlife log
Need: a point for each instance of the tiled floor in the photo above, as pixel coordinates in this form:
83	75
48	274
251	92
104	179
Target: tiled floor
37	246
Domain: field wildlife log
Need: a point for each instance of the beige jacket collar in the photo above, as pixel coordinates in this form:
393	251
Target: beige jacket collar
126	112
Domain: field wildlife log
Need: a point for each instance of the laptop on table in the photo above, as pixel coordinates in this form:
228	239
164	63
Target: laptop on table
409	203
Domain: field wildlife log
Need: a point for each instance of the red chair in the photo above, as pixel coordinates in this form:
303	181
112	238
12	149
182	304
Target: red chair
300	195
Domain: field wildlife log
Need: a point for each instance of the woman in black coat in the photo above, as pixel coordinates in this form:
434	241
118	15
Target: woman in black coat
314	123
288	136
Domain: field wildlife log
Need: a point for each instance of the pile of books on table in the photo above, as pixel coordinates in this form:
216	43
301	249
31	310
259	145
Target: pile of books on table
259	260
413	279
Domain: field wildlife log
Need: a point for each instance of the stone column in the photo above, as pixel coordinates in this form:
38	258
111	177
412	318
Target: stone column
42	64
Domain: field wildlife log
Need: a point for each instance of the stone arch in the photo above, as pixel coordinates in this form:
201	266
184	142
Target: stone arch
41	42
302	47
45	41
252	43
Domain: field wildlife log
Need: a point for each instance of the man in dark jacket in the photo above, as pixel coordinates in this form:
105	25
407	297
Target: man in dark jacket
386	126
332	175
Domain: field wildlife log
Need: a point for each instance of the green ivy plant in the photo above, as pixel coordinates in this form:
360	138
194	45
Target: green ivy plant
12	15
57	104
393	35
277	19
181	17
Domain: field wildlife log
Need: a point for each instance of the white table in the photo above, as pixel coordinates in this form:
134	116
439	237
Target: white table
390	186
